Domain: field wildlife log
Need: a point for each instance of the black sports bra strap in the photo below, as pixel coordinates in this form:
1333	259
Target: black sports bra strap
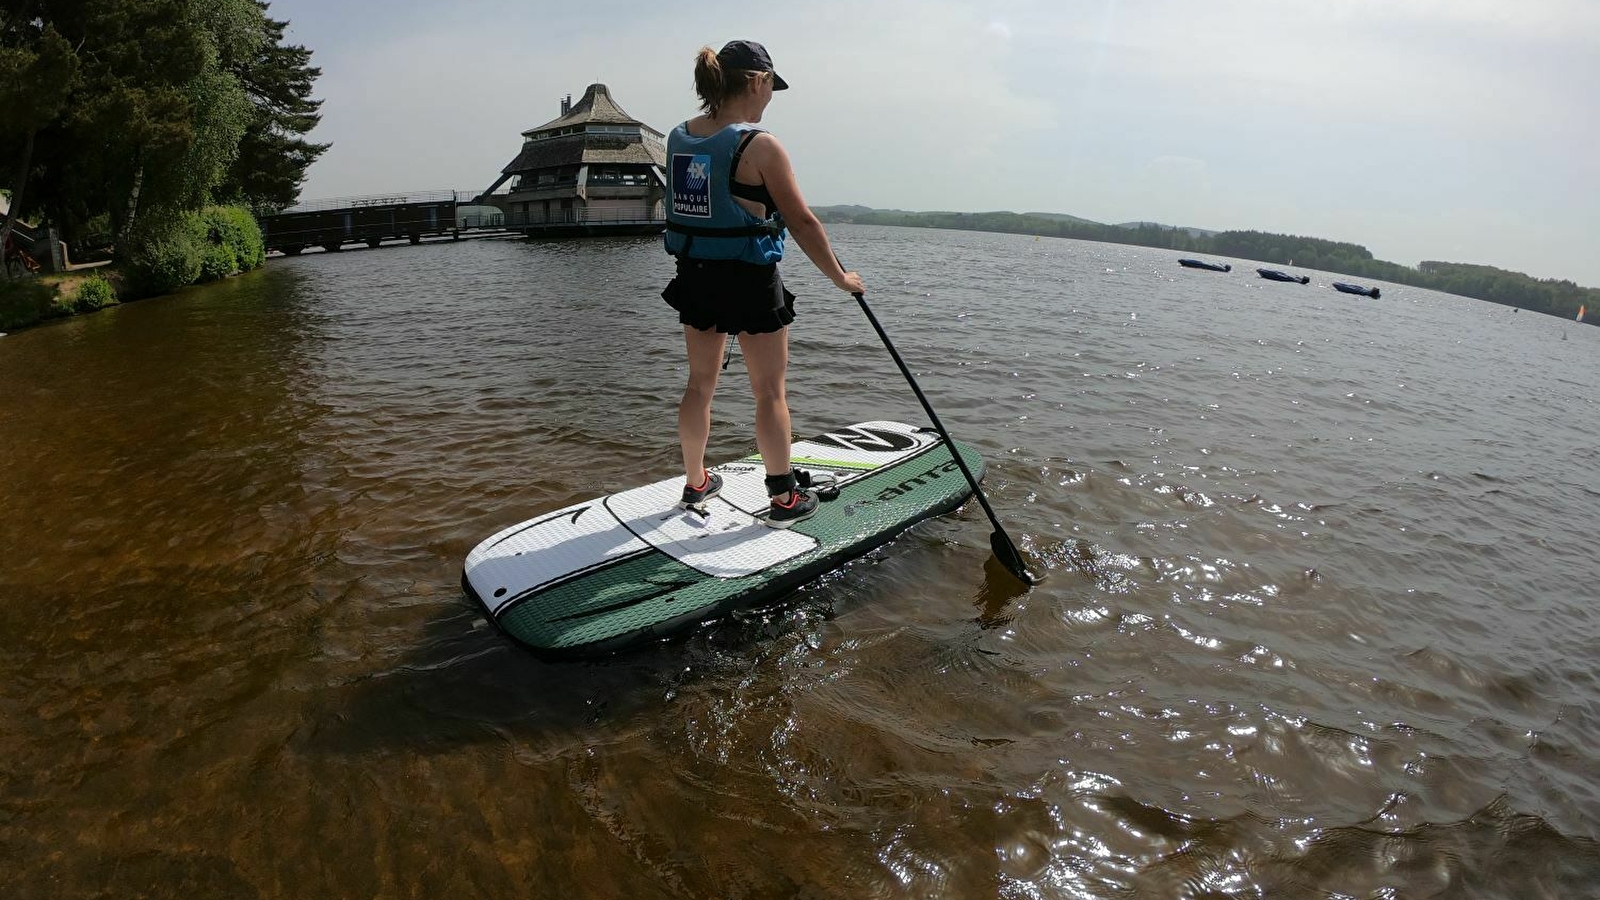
738	153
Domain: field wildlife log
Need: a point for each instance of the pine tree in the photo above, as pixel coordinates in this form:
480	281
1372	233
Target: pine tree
175	104
274	155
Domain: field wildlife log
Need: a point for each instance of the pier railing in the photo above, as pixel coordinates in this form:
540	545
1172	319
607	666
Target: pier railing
359	201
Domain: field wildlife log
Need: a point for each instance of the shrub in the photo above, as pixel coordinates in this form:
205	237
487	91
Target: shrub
176	249
218	261
234	228
165	253
249	244
233	242
95	293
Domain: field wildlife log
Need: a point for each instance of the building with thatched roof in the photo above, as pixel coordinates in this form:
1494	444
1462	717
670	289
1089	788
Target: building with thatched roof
592	169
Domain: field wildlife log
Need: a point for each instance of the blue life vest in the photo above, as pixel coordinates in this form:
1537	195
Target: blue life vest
703	219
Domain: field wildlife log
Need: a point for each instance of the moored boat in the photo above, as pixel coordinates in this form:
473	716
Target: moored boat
1355	289
1202	264
1275	275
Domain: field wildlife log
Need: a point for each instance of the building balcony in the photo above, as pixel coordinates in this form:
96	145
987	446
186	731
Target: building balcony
640	219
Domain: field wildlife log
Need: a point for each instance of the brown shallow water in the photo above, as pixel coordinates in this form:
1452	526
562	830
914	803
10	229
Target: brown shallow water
1320	619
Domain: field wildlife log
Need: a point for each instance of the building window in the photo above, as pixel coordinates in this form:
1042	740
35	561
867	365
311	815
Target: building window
554	133
619	177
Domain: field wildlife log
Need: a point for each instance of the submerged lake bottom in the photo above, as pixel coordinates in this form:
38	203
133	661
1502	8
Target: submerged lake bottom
1319	618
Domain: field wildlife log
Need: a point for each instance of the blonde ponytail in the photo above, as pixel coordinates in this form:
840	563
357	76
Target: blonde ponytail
716	85
709	81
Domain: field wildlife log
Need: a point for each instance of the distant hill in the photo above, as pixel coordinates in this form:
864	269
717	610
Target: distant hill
1197	232
1062	217
1551	296
844	211
850	212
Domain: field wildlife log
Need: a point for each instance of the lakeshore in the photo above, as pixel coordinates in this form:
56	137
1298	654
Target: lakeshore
1510	288
1556	297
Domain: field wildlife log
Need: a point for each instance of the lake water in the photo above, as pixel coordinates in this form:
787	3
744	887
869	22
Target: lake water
1320	618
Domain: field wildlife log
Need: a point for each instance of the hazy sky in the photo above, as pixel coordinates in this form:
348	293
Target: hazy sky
1460	130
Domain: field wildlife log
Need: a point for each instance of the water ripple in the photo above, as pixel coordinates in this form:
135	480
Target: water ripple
1315	625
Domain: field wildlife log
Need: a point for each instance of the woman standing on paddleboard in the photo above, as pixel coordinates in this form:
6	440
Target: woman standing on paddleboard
732	194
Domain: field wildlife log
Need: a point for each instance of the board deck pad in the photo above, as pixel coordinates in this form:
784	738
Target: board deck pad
724	542
634	566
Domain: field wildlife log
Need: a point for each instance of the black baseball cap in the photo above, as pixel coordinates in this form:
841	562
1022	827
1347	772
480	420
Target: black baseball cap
752	56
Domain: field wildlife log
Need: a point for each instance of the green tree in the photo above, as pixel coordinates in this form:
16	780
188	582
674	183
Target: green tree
183	113
36	75
129	120
176	104
274	154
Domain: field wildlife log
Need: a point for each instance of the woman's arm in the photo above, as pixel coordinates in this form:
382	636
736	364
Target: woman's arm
773	164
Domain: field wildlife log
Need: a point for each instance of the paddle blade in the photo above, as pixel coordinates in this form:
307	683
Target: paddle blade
995	595
1010	557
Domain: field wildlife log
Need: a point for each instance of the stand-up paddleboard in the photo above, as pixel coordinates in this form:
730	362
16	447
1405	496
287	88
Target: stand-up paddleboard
636	566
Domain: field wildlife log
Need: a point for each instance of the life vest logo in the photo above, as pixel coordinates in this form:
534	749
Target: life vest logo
691	185
875	440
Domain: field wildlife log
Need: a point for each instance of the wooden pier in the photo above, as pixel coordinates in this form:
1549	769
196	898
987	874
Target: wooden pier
370	220
336	223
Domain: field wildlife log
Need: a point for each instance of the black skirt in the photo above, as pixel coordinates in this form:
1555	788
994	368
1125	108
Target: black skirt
729	295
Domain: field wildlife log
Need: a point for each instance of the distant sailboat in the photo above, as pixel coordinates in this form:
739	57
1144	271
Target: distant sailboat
1580	313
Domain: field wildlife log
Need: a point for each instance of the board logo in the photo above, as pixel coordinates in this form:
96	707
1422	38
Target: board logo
691	185
873	440
911	484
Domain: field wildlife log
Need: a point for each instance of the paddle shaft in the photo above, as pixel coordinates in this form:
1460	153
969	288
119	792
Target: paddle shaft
928	408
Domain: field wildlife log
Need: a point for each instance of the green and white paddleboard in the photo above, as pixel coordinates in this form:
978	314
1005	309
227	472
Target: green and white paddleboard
635	566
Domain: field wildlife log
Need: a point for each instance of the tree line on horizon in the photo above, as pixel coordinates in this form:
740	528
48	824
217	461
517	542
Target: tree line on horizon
123	121
1551	296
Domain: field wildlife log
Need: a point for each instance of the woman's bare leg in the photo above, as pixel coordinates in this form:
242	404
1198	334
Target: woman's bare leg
694	411
766	356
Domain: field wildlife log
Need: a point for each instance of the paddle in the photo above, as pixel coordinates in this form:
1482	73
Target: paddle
1000	542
